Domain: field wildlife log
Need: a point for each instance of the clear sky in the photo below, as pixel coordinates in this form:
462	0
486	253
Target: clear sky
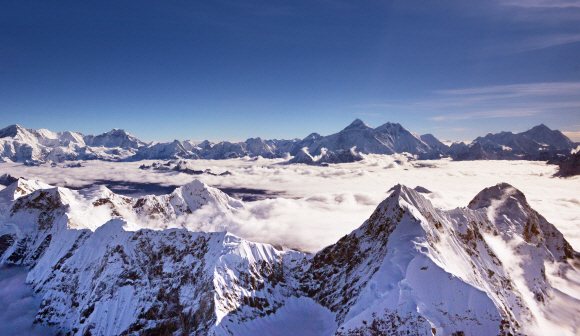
229	70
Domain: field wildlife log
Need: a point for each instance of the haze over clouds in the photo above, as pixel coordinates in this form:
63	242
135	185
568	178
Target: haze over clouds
19	305
318	205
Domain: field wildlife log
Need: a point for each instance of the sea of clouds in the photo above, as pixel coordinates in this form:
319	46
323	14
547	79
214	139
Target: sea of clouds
315	206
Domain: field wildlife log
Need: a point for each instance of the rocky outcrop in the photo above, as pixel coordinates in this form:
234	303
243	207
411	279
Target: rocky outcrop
569	167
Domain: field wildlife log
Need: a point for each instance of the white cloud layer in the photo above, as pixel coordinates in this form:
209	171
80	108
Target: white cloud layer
318	205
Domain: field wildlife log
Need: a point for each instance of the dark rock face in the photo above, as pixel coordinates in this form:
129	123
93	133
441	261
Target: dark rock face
569	167
7	179
338	273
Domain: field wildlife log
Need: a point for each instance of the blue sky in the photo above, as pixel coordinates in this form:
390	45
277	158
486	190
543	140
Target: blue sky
229	70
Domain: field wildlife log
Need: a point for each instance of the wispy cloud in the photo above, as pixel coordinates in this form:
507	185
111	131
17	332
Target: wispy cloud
370	106
507	113
499	101
542	42
368	114
542	3
530	43
504	101
519	90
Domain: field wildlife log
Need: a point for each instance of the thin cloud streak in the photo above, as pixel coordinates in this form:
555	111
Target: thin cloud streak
542	3
499	101
520	90
487	114
543	42
506	101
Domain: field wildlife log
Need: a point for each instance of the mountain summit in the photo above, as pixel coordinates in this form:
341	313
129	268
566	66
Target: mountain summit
496	267
42	146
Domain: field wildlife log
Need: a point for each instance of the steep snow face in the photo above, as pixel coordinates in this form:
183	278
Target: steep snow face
478	270
113	281
496	267
18	188
434	143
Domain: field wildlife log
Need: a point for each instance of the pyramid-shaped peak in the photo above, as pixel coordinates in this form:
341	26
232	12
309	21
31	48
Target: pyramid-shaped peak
541	127
11	131
499	193
195	185
357	124
409	195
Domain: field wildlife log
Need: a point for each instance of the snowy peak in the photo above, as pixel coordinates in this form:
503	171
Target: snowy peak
7	179
13	131
197	194
22	187
513	218
115	138
389	138
433	142
19	133
357	124
497	247
538	143
498	192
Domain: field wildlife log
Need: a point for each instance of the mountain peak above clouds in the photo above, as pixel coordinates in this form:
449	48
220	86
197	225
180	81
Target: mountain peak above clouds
537	143
410	268
357	124
40	146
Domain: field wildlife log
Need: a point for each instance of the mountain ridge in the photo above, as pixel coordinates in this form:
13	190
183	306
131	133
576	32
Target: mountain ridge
36	147
493	267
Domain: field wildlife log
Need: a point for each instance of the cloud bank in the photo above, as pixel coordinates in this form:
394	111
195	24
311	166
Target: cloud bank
315	206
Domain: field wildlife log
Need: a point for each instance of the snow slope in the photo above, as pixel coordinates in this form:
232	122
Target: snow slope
496	267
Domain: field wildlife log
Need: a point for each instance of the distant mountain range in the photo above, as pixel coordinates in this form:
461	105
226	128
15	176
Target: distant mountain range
495	267
42	146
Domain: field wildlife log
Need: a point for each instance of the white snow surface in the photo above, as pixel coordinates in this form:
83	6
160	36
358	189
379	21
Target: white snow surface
496	265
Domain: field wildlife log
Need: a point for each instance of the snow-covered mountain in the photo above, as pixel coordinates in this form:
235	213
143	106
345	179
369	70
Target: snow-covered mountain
389	138
39	146
22	145
496	267
538	143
